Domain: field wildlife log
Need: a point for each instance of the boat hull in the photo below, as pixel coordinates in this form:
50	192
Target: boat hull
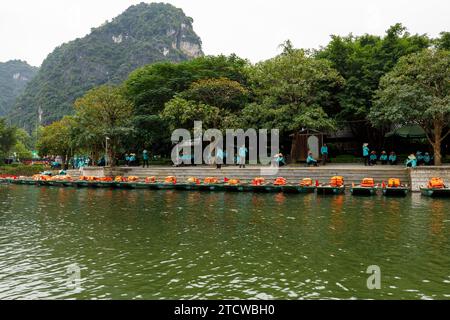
436	193
395	192
363	191
324	190
298	189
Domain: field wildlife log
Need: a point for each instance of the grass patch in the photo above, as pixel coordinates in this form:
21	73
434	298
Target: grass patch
21	170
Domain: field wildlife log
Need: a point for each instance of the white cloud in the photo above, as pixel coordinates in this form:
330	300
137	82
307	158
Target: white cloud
29	29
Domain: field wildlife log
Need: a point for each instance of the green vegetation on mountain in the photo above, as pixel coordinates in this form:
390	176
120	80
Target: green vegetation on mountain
14	75
143	34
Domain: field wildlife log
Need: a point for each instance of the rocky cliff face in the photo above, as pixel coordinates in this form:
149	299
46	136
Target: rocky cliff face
14	76
143	34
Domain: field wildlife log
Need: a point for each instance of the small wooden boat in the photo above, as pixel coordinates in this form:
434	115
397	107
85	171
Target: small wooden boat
401	191
298	189
366	188
359	190
329	189
435	192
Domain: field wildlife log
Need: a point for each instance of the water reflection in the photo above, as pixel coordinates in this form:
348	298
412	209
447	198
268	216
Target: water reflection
170	244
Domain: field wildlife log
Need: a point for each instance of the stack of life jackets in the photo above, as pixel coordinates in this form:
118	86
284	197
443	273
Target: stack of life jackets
393	183
307	182
211	180
193	180
258	181
170	179
337	181
280	181
233	181
436	183
368	183
150	180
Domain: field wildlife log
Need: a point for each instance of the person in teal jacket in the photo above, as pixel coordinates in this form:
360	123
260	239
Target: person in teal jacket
384	157
419	158
411	161
145	158
365	152
427	159
324	153
392	158
310	161
373	158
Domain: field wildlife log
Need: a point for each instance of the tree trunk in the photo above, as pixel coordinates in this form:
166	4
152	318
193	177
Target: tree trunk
437	143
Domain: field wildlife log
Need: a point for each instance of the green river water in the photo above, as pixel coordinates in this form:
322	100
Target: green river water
144	244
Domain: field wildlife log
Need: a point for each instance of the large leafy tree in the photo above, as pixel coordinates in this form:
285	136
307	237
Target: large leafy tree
362	61
8	138
417	91
151	87
57	139
292	91
103	113
181	113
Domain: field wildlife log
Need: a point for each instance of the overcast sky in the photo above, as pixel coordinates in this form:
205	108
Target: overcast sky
253	29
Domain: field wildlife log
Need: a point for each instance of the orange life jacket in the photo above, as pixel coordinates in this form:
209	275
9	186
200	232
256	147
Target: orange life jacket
119	179
337	181
193	180
436	183
211	180
280	181
133	179
367	182
393	183
150	180
234	181
258	181
307	182
170	179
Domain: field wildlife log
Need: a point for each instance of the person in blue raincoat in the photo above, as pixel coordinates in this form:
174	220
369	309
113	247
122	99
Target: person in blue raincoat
411	161
373	158
384	157
419	158
324	153
427	159
219	157
242	152
365	153
392	158
310	161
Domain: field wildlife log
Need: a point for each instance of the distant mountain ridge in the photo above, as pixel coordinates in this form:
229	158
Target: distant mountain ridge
143	34
14	75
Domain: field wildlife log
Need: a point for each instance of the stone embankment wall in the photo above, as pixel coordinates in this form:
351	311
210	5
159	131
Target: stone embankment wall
421	175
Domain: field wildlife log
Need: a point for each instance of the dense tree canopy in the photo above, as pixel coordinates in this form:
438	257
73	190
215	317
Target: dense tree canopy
362	61
417	91
293	91
332	88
